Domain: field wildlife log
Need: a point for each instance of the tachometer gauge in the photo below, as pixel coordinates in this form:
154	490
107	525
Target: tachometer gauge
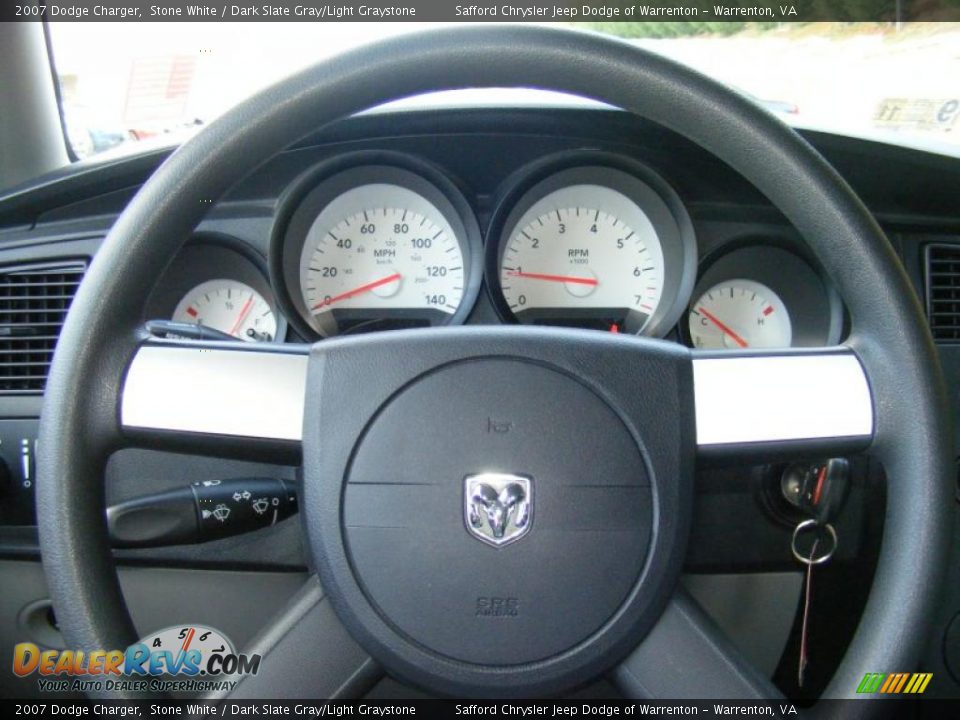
598	253
377	255
739	314
594	248
229	306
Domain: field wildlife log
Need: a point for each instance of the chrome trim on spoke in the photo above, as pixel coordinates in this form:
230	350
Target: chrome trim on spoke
260	394
781	398
243	392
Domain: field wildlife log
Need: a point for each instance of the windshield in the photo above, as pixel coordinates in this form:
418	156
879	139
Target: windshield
896	82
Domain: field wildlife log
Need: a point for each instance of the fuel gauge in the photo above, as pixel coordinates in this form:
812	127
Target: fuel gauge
739	314
229	306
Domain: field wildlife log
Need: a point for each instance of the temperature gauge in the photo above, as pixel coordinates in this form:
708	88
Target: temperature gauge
229	306
739	314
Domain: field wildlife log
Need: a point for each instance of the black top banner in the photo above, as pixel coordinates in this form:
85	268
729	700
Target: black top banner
777	11
468	709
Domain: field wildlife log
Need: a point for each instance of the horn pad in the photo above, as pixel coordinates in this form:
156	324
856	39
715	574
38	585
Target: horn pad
495	512
435	576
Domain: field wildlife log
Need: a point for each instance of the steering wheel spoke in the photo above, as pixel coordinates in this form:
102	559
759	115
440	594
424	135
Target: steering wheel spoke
686	656
781	403
306	652
216	398
227	398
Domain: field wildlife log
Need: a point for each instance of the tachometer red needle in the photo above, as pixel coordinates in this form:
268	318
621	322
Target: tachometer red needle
357	291
244	311
188	640
553	278
726	330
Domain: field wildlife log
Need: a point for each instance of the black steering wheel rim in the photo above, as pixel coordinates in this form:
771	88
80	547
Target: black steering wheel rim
80	425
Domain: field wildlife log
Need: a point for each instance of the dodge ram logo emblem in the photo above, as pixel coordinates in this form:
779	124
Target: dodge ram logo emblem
497	507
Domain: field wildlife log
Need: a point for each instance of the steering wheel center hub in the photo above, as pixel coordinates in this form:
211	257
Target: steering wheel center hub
497	512
475	512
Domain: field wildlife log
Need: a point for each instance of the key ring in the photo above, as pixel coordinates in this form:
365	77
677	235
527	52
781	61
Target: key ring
813	560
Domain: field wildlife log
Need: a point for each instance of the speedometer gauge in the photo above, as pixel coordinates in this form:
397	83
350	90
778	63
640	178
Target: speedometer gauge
594	247
378	248
397	252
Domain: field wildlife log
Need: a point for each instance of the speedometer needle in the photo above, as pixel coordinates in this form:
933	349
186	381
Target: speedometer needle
357	291
554	278
723	328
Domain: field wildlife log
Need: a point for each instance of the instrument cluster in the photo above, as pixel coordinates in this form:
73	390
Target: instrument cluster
375	241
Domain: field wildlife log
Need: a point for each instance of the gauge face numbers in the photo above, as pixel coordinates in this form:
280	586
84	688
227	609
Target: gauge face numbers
380	252
190	637
740	314
583	255
229	306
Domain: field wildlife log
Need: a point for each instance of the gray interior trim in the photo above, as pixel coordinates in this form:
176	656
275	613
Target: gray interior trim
306	653
687	657
754	610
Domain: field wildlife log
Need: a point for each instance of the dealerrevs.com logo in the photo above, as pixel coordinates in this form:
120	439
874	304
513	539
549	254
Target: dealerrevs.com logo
191	658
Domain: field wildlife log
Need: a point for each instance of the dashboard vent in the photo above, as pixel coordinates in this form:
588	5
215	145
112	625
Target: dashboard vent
33	304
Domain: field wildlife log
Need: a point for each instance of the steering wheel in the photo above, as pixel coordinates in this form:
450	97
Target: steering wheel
591	587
